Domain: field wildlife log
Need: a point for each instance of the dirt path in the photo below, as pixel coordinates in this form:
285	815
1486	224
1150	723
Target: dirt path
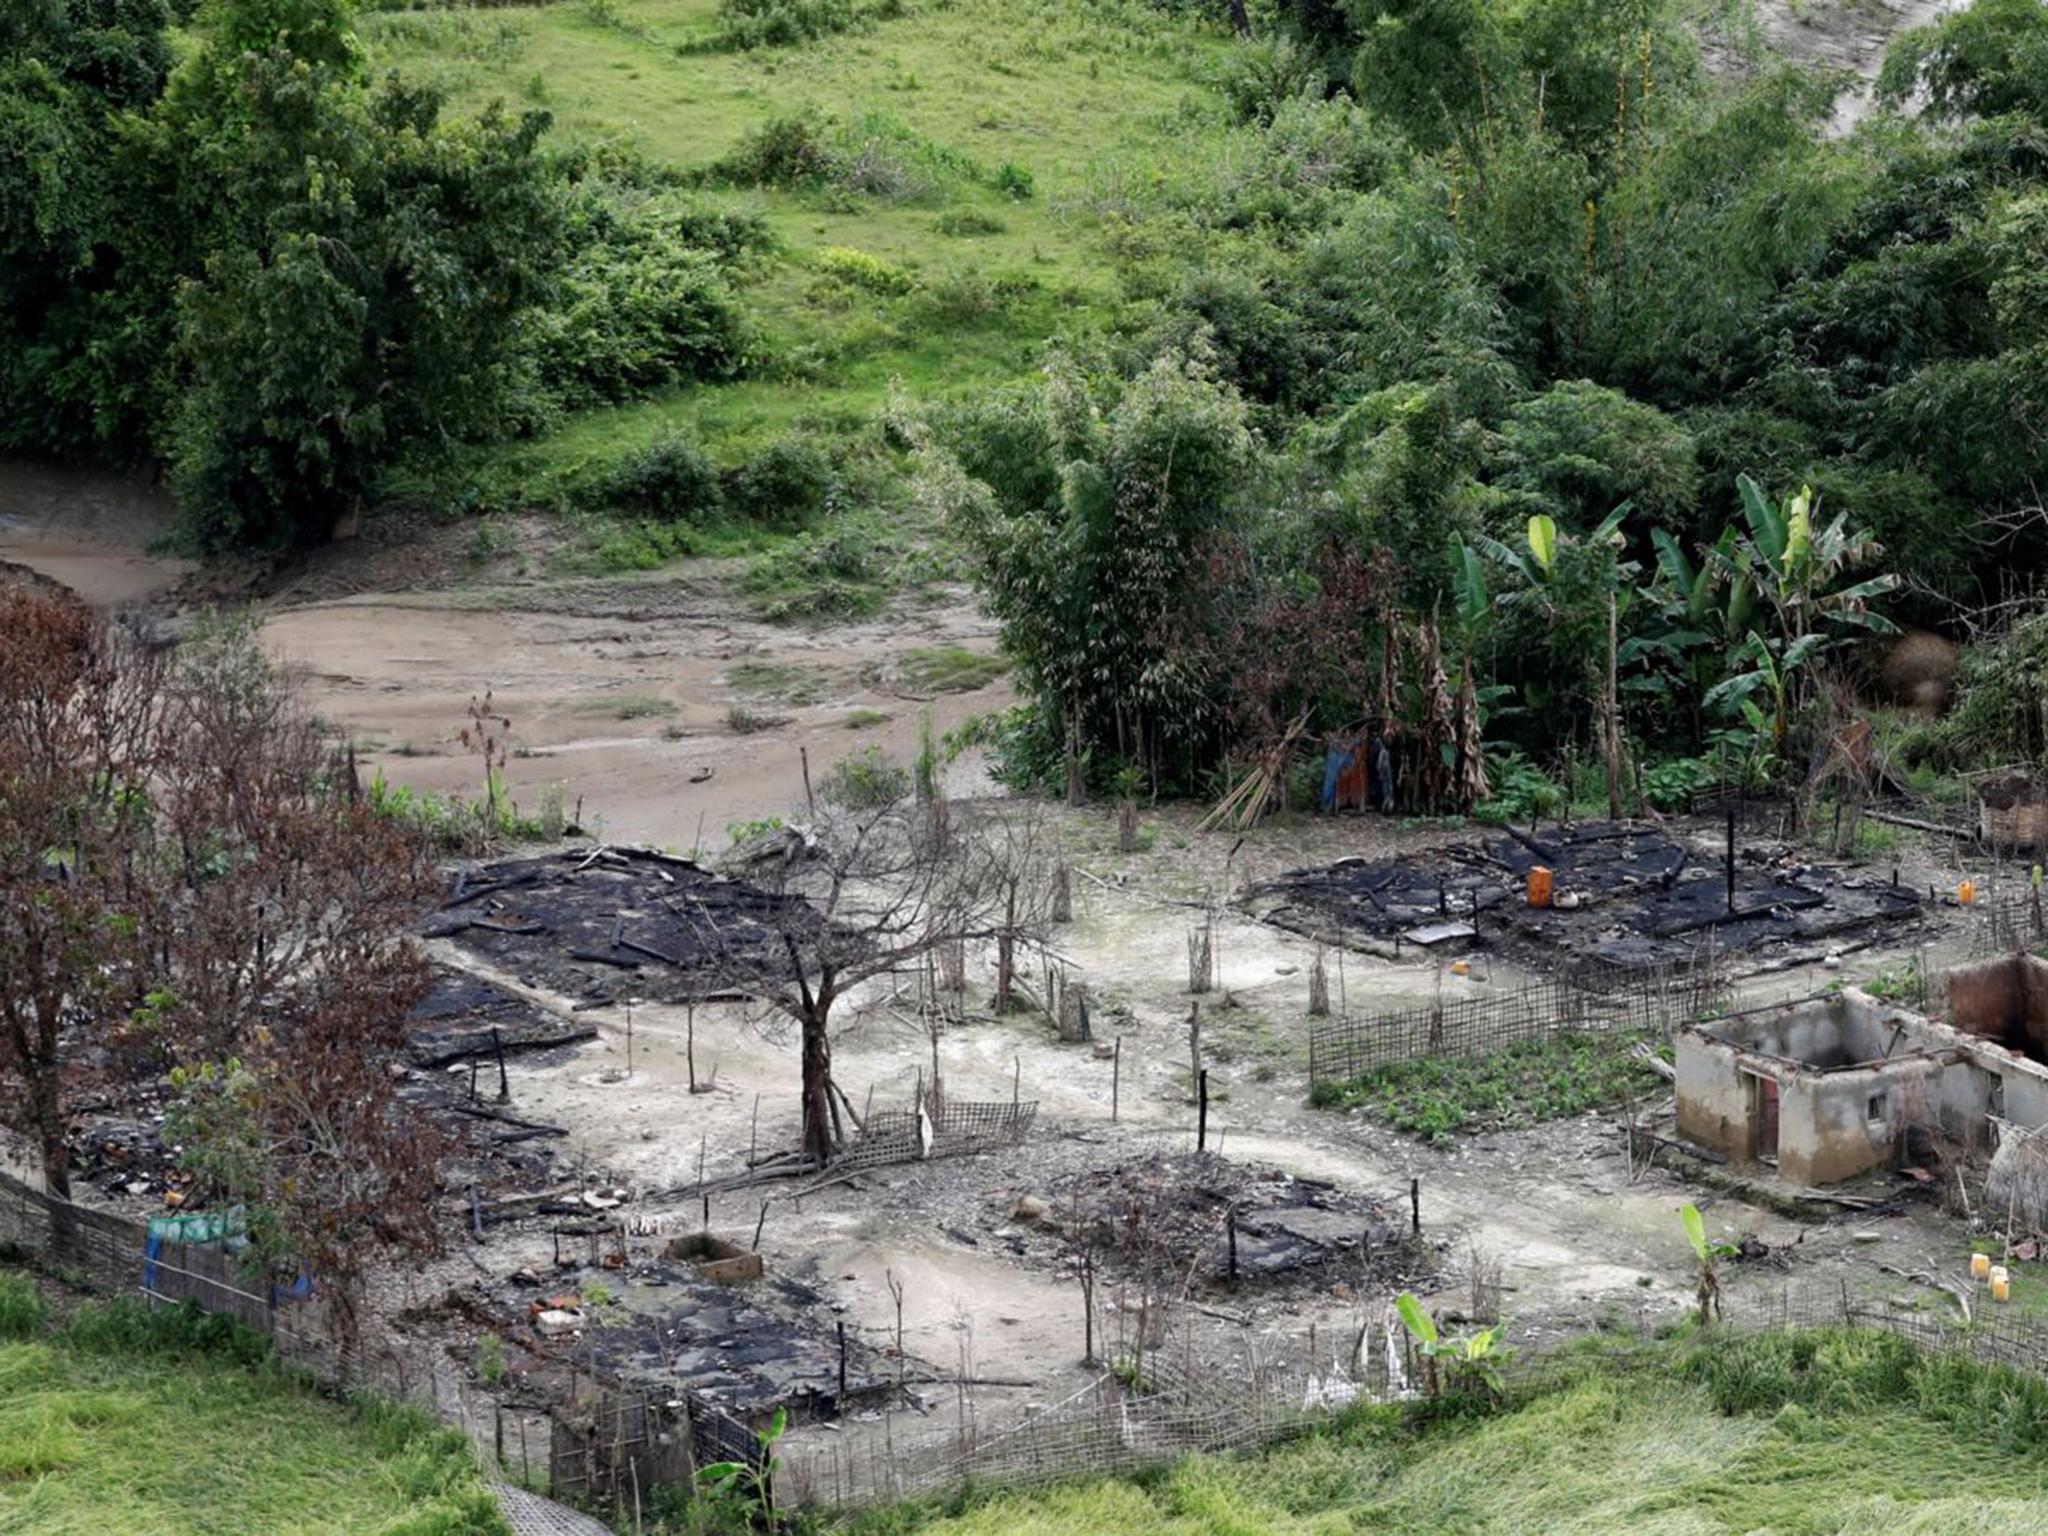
88	530
661	707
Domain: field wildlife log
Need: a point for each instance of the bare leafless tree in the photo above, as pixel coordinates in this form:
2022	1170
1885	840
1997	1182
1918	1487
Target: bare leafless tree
865	891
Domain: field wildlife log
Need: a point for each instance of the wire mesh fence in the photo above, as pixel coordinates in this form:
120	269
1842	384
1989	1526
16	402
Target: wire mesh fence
937	1127
1175	1401
117	1255
1187	1388
1346	1047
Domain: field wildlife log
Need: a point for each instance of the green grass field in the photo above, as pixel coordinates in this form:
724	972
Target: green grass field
1097	103
133	1424
1796	1435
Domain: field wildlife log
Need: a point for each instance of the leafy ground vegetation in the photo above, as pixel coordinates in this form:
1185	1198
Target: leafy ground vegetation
1819	1433
1530	1081
171	1422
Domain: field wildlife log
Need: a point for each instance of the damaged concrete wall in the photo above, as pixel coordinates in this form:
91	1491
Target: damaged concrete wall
2004	999
1999	1013
1835	1125
1841	1030
1843	1077
1713	1098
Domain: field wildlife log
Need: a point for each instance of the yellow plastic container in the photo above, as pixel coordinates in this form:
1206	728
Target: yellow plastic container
1966	893
1980	1266
2001	1287
1540	880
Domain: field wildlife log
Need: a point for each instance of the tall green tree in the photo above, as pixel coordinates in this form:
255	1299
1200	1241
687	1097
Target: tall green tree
365	265
70	379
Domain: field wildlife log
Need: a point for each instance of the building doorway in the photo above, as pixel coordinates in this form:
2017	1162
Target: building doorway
1763	1118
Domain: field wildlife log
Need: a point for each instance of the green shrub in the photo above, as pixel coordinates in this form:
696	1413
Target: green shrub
1521	791
786	485
1013	181
671	478
637	544
787	151
780	23
962	298
862	270
1259	78
633	315
827	575
1672	785
2001	709
21	1306
966	223
866	781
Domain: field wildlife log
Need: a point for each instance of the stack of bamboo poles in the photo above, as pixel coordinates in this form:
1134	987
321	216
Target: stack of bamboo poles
1247	800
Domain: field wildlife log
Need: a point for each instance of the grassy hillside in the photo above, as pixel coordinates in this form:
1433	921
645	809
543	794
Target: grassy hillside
1811	1433
128	1423
995	140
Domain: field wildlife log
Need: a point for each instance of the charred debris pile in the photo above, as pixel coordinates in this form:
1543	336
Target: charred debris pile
598	925
659	1322
1632	897
1200	1219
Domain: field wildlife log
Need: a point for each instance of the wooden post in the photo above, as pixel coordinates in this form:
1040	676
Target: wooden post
842	1362
1613	716
1202	1112
1729	857
1116	1078
1415	1207
498	1049
1230	1220
758	1225
1087	1308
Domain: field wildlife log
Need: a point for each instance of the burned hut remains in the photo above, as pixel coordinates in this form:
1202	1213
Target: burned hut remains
1622	896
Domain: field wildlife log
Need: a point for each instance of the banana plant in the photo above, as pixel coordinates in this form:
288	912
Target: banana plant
1795	565
1684	648
745	1490
1473	1361
1536	562
1774	671
1709	1253
1469	593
